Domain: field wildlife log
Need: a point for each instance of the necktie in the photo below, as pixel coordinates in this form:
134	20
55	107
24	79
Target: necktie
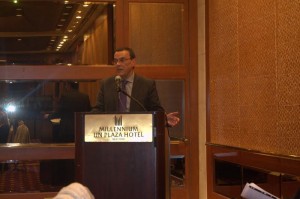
123	97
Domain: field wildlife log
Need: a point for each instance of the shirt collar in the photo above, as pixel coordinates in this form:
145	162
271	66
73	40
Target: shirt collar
130	78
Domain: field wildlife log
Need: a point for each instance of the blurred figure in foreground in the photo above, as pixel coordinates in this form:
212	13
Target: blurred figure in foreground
74	191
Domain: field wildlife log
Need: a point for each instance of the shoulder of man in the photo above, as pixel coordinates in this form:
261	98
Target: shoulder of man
141	80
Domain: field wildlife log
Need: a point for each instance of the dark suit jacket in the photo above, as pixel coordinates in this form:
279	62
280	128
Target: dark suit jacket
70	102
4	132
143	90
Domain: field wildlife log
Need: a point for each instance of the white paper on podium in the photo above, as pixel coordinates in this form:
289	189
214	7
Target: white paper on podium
252	191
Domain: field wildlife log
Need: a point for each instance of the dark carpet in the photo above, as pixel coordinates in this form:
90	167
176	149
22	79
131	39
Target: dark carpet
16	177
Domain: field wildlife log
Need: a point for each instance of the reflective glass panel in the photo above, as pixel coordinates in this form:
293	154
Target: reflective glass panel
171	93
55	32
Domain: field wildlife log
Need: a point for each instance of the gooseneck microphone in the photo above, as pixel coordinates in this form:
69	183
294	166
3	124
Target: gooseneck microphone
118	81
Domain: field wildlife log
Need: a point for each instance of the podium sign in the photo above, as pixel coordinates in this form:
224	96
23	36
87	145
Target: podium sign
118	128
122	155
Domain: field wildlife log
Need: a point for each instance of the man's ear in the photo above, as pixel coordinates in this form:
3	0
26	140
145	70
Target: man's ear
134	61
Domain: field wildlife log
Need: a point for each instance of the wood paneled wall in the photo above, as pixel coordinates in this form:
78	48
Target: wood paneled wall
254	84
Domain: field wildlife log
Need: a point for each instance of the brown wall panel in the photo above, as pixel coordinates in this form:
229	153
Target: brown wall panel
254	75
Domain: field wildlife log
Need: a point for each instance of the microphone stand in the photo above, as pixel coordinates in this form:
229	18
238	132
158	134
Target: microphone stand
132	98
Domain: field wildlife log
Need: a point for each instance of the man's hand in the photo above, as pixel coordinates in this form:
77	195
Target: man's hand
173	119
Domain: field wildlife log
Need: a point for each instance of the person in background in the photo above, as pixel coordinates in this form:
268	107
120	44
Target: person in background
4	132
4	126
140	88
11	134
22	133
71	101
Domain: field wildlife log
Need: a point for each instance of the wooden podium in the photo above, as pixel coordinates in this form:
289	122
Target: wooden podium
123	155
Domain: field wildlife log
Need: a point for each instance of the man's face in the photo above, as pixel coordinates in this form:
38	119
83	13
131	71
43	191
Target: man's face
124	65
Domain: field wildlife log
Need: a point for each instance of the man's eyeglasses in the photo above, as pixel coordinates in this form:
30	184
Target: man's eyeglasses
122	60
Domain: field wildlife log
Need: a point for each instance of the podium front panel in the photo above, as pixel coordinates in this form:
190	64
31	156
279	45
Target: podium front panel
114	170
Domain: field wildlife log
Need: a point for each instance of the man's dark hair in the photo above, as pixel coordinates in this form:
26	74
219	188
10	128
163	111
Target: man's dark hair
131	52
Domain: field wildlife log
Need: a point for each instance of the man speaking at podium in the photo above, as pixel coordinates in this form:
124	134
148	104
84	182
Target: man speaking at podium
127	91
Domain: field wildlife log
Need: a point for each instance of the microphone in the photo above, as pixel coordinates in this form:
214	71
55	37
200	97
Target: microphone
118	83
